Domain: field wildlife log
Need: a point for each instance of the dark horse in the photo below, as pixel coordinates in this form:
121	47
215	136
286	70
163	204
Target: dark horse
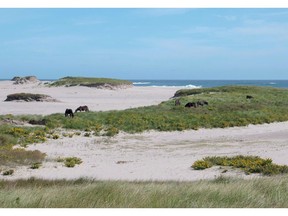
191	104
69	113
196	104
82	108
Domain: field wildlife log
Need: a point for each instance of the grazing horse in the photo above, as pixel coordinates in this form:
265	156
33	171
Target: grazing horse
177	102
191	104
196	104
82	108
69	113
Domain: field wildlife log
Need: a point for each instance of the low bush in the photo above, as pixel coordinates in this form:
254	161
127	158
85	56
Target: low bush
70	161
36	165
202	164
250	164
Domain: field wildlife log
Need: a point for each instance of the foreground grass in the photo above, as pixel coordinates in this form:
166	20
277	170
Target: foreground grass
218	193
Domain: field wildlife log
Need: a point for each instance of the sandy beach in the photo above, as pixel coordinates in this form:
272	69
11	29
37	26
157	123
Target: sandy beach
145	156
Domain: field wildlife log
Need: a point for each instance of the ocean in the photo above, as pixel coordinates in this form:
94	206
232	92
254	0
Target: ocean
209	83
203	83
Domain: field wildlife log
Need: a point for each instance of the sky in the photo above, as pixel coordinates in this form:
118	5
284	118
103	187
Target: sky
139	43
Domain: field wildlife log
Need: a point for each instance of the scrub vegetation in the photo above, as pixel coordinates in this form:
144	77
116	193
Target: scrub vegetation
250	164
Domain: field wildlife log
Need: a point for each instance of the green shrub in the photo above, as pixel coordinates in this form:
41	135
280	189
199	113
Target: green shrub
55	136
201	164
250	164
72	161
35	165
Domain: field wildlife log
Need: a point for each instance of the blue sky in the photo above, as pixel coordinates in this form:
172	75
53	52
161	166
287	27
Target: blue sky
144	43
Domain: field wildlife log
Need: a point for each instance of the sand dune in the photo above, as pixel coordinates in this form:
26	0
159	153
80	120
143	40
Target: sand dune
145	156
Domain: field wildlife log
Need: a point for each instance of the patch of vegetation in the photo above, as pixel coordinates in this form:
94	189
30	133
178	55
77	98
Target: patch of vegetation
250	164
11	136
90	82
222	192
70	161
12	157
28	97
36	165
27	135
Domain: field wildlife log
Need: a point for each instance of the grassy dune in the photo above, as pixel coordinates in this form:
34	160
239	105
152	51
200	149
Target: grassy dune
89	81
227	107
218	193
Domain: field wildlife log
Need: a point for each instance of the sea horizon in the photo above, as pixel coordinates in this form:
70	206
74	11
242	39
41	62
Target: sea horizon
190	83
208	83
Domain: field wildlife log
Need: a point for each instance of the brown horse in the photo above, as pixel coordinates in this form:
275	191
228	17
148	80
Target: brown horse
82	108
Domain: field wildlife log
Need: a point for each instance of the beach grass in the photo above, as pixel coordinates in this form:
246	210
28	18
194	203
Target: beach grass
228	107
11	136
221	192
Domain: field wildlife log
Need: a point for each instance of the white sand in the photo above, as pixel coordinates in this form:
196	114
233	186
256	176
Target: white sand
73	97
146	156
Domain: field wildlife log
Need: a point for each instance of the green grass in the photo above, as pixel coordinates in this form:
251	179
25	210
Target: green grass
228	107
89	81
221	192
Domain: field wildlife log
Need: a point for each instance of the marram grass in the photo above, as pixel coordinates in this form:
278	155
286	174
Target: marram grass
269	192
